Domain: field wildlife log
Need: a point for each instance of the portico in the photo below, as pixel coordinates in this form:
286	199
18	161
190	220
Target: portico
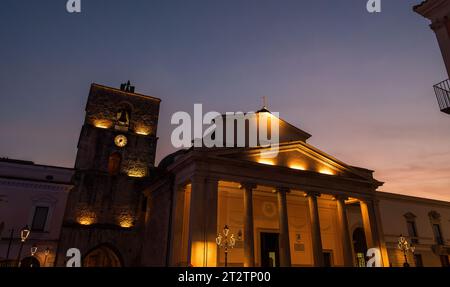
304	208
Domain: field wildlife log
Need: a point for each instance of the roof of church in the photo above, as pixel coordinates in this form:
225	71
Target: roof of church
170	158
287	131
263	110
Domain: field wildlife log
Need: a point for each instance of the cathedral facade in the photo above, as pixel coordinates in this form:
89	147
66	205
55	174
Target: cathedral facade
231	206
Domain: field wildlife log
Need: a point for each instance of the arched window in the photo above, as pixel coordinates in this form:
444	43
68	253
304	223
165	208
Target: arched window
123	116
114	163
102	256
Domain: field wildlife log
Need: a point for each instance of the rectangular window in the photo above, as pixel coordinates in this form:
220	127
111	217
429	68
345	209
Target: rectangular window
438	234
39	218
418	260
412	231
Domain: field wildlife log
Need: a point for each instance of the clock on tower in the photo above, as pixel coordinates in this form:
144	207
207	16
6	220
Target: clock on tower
116	155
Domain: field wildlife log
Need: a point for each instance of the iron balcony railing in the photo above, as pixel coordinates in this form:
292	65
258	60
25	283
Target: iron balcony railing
442	91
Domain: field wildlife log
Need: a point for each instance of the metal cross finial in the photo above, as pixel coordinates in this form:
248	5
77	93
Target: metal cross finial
264	102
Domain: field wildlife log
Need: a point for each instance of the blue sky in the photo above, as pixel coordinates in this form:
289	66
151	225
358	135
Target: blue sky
360	83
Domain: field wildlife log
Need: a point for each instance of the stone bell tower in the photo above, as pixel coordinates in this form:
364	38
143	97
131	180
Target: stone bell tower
115	158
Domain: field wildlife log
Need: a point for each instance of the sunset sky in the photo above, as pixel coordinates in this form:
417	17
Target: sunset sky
360	83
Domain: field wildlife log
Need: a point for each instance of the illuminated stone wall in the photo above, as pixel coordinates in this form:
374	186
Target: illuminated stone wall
265	212
108	207
104	103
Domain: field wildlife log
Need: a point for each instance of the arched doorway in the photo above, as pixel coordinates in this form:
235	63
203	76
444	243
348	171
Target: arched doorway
30	261
102	256
360	246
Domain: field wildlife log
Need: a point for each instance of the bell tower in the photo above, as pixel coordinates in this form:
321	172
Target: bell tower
115	158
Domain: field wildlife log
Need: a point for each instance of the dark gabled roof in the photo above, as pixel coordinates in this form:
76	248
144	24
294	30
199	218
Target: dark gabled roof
169	159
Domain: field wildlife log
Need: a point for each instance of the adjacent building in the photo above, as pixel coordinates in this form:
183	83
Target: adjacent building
438	12
32	197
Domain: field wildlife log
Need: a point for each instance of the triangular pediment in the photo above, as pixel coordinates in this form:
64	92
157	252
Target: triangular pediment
297	156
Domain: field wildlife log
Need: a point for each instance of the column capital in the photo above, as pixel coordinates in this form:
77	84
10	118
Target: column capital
368	200
247	185
340	197
203	177
282	189
312	194
180	186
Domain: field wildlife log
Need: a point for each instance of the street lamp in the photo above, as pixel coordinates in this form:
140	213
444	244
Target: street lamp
33	249
24	233
405	247
226	242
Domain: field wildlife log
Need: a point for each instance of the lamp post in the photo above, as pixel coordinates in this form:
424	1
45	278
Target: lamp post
33	251
405	247
9	243
226	242
24	233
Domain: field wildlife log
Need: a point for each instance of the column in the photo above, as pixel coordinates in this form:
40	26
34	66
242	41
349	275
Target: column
344	231
178	202
285	252
372	228
249	241
368	223
315	229
384	252
202	248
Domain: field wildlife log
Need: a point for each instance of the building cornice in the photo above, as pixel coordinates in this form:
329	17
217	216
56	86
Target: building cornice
401	197
429	8
114	90
31	184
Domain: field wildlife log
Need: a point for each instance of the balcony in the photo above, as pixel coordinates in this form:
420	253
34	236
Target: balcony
442	91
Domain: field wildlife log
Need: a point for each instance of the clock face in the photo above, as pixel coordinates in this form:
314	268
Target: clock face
120	140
